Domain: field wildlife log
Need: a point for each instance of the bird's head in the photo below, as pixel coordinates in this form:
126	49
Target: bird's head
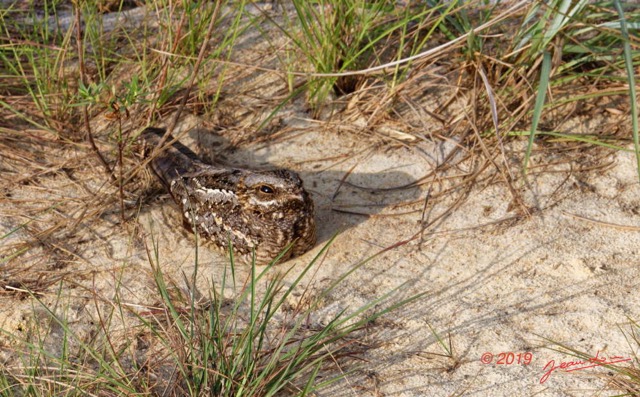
274	194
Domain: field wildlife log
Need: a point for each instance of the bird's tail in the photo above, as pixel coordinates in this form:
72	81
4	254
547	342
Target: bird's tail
173	160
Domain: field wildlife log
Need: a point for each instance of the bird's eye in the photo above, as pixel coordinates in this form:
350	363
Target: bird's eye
266	189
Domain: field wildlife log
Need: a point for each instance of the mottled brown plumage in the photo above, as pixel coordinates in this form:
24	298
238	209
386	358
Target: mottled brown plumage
261	211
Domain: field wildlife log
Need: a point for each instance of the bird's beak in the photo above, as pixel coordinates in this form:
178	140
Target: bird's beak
297	197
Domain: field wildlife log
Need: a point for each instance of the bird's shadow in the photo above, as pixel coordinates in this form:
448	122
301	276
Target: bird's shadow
343	199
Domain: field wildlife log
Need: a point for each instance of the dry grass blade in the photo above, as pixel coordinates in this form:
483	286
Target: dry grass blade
605	224
627	380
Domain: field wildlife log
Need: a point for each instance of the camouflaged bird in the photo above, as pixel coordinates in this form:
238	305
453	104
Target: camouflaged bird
257	211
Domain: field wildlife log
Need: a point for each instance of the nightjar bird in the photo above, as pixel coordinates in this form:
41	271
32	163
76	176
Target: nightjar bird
256	211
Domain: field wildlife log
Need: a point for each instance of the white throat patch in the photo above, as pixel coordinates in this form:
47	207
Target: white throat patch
269	203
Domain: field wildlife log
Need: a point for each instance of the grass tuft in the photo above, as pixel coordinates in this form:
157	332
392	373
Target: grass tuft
256	340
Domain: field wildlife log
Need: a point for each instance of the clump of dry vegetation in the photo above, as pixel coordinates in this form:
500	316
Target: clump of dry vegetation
81	79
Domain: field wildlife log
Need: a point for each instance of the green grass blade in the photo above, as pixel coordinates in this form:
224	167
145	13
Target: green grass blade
628	63
537	110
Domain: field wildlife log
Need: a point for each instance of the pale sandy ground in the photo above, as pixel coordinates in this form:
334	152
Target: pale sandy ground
496	281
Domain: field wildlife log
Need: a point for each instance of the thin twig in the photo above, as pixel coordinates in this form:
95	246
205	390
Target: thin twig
85	110
194	74
121	166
